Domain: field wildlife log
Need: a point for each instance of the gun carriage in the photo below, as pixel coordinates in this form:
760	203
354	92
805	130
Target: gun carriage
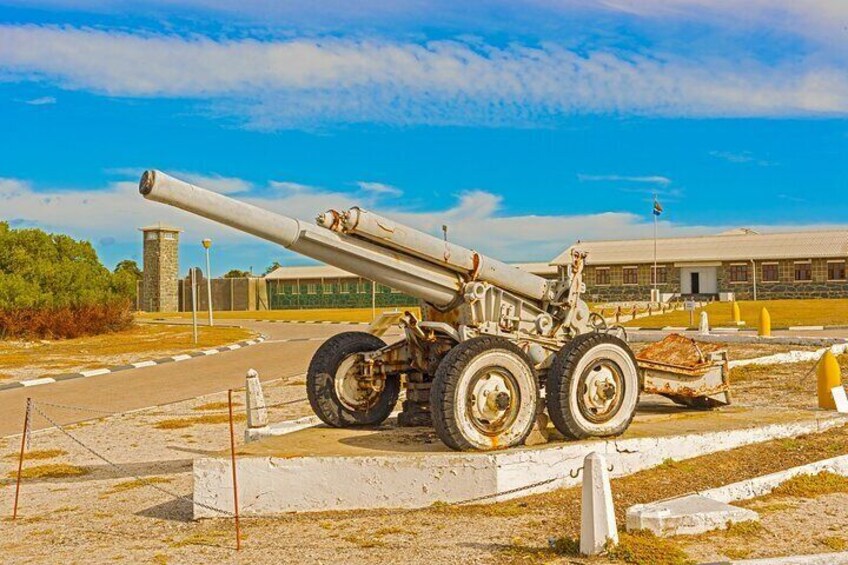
495	346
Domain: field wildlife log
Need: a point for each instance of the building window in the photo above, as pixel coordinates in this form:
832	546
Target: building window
739	273
344	287
602	277
660	275
311	288
170	236
803	272
836	270
152	236
630	275
326	288
770	272
394	291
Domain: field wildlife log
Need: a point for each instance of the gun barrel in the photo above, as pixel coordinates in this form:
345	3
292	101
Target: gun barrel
432	283
468	263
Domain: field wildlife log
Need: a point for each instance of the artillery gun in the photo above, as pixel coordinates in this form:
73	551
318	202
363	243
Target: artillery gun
494	347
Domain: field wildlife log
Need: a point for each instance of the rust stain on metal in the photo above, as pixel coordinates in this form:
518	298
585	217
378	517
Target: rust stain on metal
678	351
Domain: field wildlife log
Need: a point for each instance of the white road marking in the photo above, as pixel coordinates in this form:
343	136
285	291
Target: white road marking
182	357
35	382
141	364
95	372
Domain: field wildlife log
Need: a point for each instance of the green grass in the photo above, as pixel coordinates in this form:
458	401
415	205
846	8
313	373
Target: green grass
810	312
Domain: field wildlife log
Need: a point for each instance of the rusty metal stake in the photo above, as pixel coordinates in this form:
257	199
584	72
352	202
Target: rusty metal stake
21	458
233	458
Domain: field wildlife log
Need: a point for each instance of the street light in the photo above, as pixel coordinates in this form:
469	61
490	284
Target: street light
207	243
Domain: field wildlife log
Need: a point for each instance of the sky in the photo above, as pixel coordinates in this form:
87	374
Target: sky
523	126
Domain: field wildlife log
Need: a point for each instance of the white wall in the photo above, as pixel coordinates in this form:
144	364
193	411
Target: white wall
708	282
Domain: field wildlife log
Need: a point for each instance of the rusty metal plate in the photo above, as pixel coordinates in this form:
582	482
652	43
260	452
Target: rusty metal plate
679	351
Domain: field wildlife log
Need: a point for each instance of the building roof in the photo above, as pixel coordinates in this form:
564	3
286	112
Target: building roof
159	226
308	272
736	245
326	271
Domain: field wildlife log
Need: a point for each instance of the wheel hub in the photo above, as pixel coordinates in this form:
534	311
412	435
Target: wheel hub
349	389
602	387
492	401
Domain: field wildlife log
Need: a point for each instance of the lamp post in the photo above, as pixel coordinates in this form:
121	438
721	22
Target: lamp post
207	243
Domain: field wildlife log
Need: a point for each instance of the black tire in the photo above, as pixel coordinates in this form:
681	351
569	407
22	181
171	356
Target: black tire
321	383
466	366
564	385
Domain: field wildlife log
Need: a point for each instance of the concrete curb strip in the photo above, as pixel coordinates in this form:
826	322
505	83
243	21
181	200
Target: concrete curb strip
136	365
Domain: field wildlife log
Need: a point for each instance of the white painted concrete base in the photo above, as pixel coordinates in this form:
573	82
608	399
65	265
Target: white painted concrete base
759	486
271	485
791	356
692	514
281	428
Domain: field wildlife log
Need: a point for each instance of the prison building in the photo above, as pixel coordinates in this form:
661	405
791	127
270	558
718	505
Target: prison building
741	264
323	286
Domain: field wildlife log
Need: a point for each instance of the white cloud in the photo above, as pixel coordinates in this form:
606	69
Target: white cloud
652	179
740	157
475	220
42	101
379	189
298	82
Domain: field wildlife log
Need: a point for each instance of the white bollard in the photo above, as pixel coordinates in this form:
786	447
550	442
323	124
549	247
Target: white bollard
597	527
704	327
257	413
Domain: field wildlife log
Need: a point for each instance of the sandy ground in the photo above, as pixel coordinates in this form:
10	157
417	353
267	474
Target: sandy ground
103	516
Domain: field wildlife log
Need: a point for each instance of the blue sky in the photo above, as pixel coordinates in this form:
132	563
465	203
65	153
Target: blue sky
523	126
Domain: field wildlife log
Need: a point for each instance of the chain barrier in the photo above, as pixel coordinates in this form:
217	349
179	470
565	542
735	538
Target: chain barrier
226	513
121	469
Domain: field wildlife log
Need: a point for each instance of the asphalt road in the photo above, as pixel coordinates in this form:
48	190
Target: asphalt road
172	382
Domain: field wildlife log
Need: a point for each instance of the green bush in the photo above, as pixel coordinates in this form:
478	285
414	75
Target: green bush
44	276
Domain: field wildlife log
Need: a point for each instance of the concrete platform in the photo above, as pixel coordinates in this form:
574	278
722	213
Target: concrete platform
692	514
321	468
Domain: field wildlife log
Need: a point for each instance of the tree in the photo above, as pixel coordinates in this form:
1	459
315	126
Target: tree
129	266
236	274
272	267
52	285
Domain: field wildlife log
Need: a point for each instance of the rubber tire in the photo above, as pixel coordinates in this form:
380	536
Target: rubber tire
320	385
444	389
558	386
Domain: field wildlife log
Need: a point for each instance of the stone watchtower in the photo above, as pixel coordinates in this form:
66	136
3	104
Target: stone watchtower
159	291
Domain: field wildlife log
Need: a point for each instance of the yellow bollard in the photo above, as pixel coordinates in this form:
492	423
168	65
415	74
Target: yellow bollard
765	323
737	316
829	376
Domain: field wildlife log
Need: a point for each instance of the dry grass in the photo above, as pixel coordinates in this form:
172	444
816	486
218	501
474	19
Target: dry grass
835	543
50	471
746	529
319	314
644	548
811	486
215	406
38	454
178	423
216	538
827	312
136	484
138	343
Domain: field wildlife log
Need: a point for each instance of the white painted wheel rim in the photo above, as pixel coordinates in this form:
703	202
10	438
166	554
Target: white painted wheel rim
495	400
346	385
